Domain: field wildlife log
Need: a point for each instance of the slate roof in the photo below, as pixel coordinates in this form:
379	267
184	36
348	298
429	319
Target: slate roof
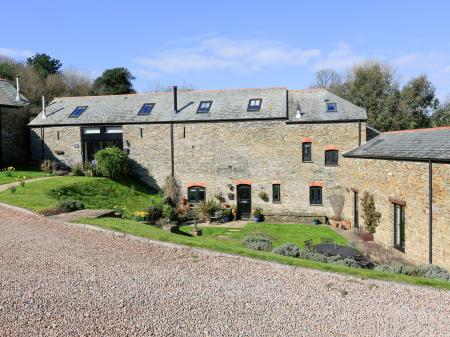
418	145
8	95
227	105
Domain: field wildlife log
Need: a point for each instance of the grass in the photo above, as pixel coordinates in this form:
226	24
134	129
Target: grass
233	246
20	173
95	193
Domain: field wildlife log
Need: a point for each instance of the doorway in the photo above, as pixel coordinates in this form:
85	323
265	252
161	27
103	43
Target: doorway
244	201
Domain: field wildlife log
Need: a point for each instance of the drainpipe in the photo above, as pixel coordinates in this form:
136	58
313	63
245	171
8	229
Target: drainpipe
359	133
175	98
172	155
430	212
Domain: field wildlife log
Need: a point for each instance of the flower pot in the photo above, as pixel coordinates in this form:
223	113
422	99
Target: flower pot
345	225
334	223
316	222
366	236
258	219
227	218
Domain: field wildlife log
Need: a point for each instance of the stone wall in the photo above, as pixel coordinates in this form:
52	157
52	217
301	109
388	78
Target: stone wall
60	144
14	136
407	181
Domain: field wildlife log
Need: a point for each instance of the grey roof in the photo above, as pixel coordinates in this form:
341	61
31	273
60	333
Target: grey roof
227	105
418	145
8	95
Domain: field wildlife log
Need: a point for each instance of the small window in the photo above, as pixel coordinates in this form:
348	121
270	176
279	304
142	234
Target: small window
254	104
331	157
78	111
196	194
399	227
146	109
91	131
113	129
306	151
204	106
276	193
331	107
315	195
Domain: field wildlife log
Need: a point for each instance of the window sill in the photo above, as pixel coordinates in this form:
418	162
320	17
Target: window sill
331	165
276	202
316	204
307	161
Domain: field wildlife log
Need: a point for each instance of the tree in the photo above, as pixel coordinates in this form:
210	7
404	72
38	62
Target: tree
114	81
417	101
369	85
44	64
8	68
441	116
328	79
157	86
77	83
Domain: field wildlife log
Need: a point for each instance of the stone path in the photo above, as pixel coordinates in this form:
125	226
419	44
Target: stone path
64	280
84	213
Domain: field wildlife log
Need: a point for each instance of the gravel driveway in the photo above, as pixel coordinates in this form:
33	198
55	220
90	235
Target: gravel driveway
59	280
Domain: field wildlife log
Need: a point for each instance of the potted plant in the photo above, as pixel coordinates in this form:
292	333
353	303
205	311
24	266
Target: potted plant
258	215
119	211
226	213
316	221
370	215
234	212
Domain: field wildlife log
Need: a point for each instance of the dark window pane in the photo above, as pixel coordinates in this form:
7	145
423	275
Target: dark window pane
146	109
78	111
315	195
331	107
331	157
399	227
196	194
204	106
254	104
276	193
306	152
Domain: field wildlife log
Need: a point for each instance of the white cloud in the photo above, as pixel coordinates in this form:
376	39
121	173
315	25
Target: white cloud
221	53
341	58
15	53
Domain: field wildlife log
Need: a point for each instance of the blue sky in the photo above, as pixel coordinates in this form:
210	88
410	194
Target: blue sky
233	44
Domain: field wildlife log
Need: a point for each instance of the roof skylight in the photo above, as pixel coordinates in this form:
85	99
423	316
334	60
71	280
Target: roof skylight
204	106
78	111
146	109
254	104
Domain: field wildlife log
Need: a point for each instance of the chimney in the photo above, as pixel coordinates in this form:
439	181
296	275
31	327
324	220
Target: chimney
175	98
17	89
44	110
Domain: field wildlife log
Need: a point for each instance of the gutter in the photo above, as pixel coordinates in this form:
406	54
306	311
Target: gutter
423	160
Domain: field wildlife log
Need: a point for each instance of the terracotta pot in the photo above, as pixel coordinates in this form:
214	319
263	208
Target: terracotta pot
345	224
333	223
366	236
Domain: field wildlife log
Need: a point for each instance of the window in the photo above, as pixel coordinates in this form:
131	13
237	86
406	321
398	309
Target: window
254	104
196	194
331	107
331	157
78	111
315	195
91	131
306	151
204	106
276	193
113	129
146	109
399	227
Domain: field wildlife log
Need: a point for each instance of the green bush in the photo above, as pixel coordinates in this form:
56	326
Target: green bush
226	212
70	205
154	213
349	262
288	249
77	170
258	243
312	256
429	271
112	162
208	208
169	212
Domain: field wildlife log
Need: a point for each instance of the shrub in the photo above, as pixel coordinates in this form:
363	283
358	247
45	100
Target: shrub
349	262
312	256
70	205
47	166
9	171
208	208
432	271
112	162
370	215
60	168
258	243
169	212
288	249
226	212
77	170
428	270
139	216
154	213
13	189
264	196
258	212
22	183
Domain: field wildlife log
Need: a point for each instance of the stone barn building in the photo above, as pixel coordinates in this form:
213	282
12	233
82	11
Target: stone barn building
278	149
14	148
408	173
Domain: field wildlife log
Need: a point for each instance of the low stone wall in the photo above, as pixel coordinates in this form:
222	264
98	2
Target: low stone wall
292	217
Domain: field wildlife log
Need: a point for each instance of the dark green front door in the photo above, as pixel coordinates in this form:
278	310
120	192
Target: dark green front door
244	201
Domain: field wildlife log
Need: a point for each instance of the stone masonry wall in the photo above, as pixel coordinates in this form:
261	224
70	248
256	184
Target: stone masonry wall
61	144
14	136
407	181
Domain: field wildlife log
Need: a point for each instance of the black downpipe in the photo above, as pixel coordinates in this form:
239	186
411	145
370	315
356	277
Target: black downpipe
42	144
359	133
430	213
172	155
1	142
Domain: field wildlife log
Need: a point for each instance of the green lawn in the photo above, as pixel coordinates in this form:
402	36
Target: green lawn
95	193
297	234
20	173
